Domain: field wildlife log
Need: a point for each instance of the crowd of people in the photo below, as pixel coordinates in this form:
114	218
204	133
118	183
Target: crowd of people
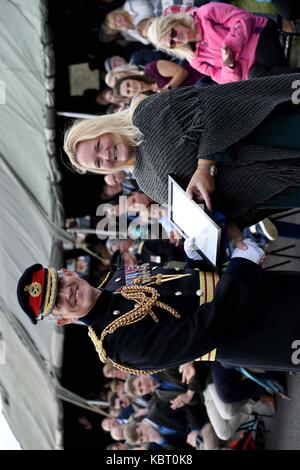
207	98
198	405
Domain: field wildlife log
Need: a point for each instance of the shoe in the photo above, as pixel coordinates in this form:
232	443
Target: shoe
270	400
268	229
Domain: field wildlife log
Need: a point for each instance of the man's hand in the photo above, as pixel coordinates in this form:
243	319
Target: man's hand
253	252
235	236
188	372
227	57
182	399
200	186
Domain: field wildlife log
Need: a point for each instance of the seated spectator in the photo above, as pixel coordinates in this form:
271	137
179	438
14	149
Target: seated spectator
119	72
117	432
143	56
113	62
129	184
224	418
158	76
108	423
110	191
168	7
118	446
208	39
106	97
175	6
166	426
110	372
127	18
166	386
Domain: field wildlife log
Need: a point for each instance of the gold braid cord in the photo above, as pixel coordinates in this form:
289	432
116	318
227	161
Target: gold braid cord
145	299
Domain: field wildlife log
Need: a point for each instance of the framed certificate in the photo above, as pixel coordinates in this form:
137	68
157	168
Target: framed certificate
191	221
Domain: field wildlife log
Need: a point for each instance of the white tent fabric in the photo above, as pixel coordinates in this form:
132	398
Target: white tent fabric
30	219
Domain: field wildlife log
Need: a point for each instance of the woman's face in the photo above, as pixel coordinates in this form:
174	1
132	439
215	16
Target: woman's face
132	87
178	35
104	152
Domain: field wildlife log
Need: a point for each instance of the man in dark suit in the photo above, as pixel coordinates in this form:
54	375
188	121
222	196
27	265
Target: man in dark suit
168	427
168	386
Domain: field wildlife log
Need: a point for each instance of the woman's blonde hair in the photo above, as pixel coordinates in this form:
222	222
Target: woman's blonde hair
128	69
119	124
111	16
162	25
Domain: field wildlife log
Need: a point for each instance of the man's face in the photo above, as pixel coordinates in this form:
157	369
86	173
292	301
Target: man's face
117	61
137	201
147	433
75	297
143	385
115	178
124	400
112	190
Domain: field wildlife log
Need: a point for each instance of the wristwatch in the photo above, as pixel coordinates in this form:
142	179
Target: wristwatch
212	169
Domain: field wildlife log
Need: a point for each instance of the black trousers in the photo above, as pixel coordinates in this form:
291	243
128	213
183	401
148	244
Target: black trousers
232	387
288	9
269	56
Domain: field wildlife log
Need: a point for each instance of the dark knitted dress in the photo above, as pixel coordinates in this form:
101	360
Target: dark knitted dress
183	125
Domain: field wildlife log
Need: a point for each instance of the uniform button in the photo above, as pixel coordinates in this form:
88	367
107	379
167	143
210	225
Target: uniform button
116	312
177	269
199	292
178	292
136	305
118	279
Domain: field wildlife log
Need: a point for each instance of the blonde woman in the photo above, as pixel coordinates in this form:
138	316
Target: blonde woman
222	41
235	146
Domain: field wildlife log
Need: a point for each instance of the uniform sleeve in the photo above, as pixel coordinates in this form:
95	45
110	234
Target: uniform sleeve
172	342
239	23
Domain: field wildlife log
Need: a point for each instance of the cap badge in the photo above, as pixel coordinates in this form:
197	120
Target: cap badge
34	289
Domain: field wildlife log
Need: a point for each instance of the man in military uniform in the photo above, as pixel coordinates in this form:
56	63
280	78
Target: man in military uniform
147	318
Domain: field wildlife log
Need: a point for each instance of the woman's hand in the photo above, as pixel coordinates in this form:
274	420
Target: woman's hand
227	56
200	186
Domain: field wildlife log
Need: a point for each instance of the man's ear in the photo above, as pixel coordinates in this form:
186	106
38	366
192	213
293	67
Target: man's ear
65	321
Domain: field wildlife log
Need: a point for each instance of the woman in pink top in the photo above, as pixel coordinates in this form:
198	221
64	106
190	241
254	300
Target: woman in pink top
222	41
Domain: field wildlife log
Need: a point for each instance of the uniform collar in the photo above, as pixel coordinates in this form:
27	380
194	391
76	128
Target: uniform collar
100	308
